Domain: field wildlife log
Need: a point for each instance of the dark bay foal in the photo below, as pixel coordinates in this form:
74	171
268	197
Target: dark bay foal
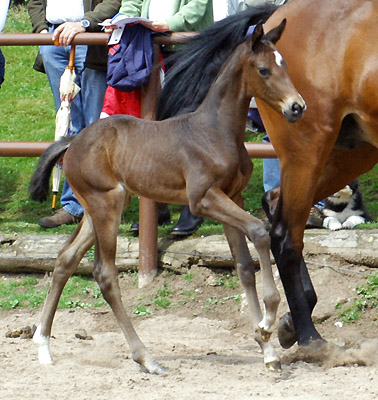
197	159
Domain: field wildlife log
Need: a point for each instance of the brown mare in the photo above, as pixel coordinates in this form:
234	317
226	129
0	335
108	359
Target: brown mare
197	159
332	51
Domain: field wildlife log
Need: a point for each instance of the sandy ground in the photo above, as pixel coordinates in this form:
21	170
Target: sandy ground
206	344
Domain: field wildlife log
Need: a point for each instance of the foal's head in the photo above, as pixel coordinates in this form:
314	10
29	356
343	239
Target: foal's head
267	75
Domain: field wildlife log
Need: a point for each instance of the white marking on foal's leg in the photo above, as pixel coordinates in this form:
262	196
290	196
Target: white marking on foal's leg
43	343
271	359
266	324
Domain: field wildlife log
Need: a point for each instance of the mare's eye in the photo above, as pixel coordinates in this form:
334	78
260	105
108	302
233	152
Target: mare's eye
264	72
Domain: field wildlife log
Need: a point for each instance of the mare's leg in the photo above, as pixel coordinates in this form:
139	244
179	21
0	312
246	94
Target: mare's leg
286	332
237	224
287	244
342	167
66	264
263	325
106	221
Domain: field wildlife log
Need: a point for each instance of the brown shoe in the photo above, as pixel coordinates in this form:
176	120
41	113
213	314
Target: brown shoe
61	217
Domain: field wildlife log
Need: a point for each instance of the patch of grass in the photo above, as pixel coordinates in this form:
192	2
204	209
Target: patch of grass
214	301
229	281
79	292
142	310
79	288
21	293
189	297
367	299
162	297
188	277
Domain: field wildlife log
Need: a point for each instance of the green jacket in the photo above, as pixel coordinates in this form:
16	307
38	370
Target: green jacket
95	11
189	15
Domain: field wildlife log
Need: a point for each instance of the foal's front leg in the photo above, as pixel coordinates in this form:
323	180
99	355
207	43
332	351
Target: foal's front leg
238	224
262	324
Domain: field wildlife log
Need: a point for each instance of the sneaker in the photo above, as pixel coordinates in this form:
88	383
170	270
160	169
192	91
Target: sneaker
61	217
315	218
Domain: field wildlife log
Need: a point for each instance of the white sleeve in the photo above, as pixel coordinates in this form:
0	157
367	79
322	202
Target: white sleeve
4	5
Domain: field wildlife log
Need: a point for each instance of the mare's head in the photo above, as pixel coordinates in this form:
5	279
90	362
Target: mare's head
266	73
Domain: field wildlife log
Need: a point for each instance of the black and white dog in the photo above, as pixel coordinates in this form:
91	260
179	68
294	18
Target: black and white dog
345	209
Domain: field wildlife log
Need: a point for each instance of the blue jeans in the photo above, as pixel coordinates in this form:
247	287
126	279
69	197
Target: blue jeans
93	92
271	171
86	106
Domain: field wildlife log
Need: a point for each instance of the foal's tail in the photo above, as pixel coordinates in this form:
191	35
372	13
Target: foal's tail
39	184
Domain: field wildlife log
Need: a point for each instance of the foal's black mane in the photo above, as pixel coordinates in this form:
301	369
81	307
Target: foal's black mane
196	66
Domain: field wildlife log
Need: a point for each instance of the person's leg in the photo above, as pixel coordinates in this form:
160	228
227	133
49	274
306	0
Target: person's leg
68	199
93	91
55	60
187	223
93	86
271	171
2	67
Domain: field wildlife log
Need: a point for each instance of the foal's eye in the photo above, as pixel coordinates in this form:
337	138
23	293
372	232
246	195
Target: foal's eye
264	72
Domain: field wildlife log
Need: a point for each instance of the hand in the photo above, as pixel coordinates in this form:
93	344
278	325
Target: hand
67	31
157	26
110	28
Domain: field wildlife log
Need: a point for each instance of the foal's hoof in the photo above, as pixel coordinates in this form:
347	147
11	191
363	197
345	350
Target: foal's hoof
286	332
153	367
159	370
274	366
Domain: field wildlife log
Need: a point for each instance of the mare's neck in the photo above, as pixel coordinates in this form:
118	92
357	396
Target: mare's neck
226	105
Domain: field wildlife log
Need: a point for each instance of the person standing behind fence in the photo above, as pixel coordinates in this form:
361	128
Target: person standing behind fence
65	19
225	8
4	5
166	15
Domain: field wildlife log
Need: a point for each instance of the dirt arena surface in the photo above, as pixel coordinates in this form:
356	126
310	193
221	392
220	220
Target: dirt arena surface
204	339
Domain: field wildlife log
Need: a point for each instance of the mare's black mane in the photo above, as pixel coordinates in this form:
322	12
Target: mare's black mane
196	66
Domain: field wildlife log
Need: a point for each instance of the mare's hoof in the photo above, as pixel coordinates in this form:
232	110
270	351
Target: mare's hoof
274	366
286	332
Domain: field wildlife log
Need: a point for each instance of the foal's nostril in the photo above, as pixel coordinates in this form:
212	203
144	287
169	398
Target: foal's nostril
296	108
294	112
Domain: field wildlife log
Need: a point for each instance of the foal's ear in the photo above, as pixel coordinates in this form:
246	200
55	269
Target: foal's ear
275	34
257	35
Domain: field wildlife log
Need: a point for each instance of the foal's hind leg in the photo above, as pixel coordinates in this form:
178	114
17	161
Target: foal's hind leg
66	264
106	221
262	324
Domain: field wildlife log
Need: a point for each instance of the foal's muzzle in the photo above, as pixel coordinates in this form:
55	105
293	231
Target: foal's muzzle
295	111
